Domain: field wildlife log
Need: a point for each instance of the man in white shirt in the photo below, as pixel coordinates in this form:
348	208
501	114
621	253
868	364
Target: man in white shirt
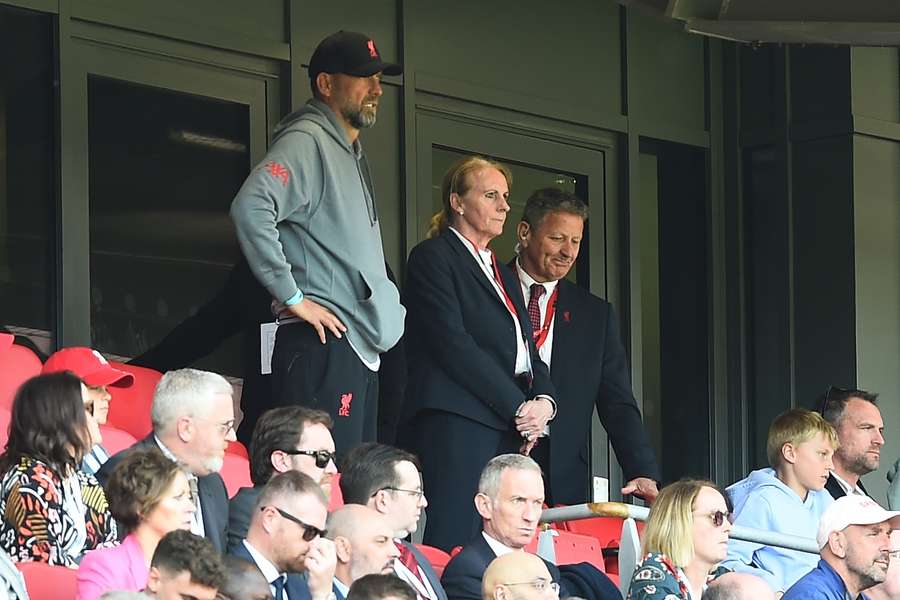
855	416
286	538
577	336
363	544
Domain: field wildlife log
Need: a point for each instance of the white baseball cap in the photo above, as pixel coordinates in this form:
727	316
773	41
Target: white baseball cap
853	509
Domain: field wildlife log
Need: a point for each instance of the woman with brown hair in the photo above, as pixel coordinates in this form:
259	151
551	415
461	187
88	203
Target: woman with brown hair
149	496
477	387
52	511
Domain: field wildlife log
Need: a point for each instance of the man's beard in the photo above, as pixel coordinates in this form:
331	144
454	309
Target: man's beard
861	464
360	117
213	465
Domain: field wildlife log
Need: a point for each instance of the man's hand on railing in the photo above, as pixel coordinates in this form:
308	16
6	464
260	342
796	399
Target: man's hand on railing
642	487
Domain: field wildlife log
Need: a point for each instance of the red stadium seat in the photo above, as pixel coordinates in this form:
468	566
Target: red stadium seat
130	407
437	557
608	532
238	449
115	440
572	548
5	416
337	498
48	582
17	365
236	473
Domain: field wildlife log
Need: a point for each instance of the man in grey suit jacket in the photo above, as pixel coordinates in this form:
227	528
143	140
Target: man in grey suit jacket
193	421
387	479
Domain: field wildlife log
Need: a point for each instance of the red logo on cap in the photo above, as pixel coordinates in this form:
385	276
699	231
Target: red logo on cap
278	171
372	51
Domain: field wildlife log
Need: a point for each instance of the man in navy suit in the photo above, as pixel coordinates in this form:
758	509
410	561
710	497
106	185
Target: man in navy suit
286	539
577	336
193	421
510	500
388	480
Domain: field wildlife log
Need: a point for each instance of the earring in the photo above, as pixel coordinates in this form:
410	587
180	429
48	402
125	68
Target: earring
460	212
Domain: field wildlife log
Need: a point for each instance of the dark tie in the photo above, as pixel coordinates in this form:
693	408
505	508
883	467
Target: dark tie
534	307
195	493
278	584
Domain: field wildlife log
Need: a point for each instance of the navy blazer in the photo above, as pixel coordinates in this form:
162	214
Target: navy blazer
211	488
589	368
462	575
295	586
461	339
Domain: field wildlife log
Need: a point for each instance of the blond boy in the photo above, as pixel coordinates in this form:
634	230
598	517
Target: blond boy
789	497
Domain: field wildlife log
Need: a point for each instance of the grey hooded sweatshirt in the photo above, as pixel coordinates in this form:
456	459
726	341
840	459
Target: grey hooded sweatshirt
306	220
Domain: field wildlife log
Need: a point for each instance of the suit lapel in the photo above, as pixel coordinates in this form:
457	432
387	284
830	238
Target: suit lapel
561	325
469	261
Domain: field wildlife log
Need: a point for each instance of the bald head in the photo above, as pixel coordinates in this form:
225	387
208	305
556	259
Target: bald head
363	542
516	568
738	586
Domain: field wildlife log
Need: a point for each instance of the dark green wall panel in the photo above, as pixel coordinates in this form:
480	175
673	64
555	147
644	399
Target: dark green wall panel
820	84
520	49
667	74
876	83
320	18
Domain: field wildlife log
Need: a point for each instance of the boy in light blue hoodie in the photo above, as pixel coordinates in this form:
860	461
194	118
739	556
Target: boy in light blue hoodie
787	498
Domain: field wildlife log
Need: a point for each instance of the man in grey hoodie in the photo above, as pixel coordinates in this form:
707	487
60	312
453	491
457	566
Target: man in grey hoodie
307	223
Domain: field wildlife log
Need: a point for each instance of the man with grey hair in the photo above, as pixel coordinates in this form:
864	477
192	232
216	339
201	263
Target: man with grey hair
509	499
193	421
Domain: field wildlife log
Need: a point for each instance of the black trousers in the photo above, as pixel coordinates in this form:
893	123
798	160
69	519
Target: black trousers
328	377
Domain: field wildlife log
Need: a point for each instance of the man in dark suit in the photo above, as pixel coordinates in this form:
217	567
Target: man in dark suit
577	335
509	500
363	545
289	438
193	421
855	416
285	539
387	480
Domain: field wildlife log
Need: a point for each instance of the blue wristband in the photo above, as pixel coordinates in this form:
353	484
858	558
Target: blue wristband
294	299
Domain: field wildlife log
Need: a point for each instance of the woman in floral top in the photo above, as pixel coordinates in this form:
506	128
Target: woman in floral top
52	512
686	537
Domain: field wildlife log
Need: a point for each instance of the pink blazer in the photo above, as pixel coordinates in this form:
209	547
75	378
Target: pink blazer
107	569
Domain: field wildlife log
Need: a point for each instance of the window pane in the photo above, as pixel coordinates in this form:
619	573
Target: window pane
28	172
164	167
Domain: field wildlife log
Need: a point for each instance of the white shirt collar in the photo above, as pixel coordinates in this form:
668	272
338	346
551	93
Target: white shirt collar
484	255
848	489
527	280
498	547
343	589
269	571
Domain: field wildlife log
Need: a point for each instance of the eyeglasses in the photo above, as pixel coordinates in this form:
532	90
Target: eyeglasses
539	585
223	428
417	493
719	517
323	457
835	390
895	554
310	532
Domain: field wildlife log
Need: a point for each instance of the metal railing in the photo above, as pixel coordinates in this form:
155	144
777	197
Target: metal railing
629	545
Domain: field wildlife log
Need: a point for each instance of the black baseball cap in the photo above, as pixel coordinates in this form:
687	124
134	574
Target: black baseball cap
350	53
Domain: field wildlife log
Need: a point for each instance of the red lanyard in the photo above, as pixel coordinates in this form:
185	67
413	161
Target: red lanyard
497	278
541	336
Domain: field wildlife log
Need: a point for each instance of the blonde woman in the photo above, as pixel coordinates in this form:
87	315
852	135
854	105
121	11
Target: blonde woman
686	537
477	387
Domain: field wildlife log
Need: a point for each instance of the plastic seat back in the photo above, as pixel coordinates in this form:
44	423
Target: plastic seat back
437	557
115	440
18	364
48	582
130	407
572	548
236	473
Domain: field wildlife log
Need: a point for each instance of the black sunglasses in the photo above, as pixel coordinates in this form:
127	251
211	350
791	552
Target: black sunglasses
310	532
323	457
832	390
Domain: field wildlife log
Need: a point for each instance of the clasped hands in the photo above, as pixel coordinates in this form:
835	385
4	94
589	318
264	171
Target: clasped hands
531	420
